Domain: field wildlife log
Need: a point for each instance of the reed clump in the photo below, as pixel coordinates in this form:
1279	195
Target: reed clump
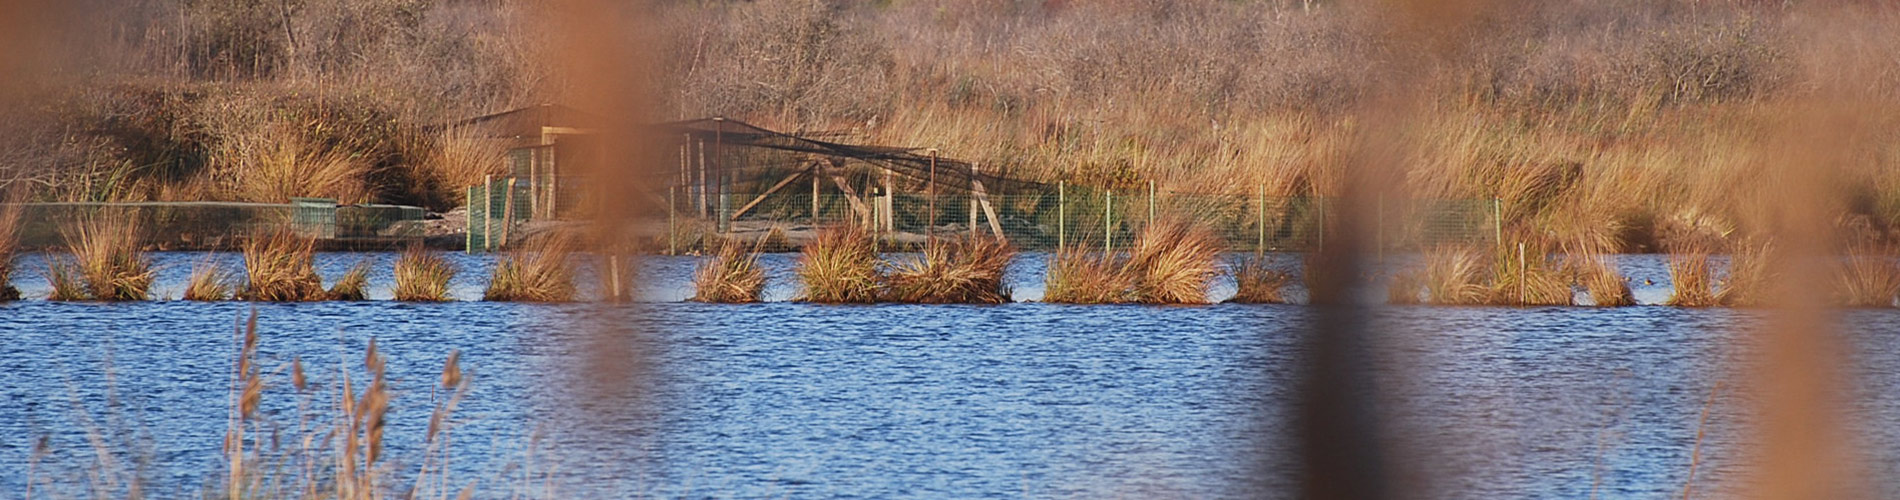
537	271
840	266
1257	282
1867	277
1172	261
731	276
1749	275
965	270
1528	279
1692	279
1606	287
1077	276
423	275
353	285
106	263
279	266
1456	276
210	282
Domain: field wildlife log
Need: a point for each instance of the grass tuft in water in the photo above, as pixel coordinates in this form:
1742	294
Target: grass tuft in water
423	275
1258	282
1749	275
210	282
1077	276
106	261
1173	261
840	266
9	248
279	267
354	284
966	270
537	271
1692	278
730	276
1867	277
1456	276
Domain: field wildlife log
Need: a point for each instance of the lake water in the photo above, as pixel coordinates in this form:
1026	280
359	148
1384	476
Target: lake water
785	399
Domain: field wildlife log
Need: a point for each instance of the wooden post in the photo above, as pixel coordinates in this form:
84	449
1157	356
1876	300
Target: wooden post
930	217
1520	273
890	203
672	229
814	195
704	183
1062	213
1261	248
1497	220
613	268
972	196
488	210
554	187
1151	201
1108	216
468	221
507	211
725	188
534	195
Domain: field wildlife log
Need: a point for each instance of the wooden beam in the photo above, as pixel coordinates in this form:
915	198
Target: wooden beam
983	198
768	192
851	195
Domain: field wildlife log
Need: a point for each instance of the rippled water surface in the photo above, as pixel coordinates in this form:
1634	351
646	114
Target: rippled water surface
1021	400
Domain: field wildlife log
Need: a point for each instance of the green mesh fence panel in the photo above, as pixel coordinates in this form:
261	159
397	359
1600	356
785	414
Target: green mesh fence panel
198	225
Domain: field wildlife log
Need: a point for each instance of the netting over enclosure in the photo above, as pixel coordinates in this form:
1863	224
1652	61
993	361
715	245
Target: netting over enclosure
215	225
734	178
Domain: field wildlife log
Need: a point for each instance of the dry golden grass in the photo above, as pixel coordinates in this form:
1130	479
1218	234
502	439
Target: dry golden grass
1456	276
275	162
1749	275
1607	287
1257	282
1077	276
352	286
1529	280
1691	278
1173	261
210	282
537	271
730	276
107	259
422	275
1867	277
462	158
63	277
840	266
279	266
964	270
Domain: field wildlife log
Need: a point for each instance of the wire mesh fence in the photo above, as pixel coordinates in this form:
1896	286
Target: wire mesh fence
217	225
1093	218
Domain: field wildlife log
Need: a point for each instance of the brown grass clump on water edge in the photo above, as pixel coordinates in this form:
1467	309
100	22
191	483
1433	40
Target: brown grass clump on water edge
278	267
1867	277
965	270
1077	276
730	276
423	276
210	282
353	285
1606	287
1455	276
840	266
1692	279
1748	275
537	271
1173	261
1257	282
106	262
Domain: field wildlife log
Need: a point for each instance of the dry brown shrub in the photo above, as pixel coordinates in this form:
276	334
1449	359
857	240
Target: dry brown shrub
1258	282
423	275
279	266
107	259
1173	261
1077	276
964	270
730	276
537	271
840	266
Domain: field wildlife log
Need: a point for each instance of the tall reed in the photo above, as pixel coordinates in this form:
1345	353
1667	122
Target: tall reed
537	271
423	275
964	270
840	266
730	276
1749	275
1257	282
107	259
1692	280
1456	276
279	266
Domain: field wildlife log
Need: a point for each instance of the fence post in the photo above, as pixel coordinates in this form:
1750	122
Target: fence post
1151	201
1520	273
814	196
468	221
972	196
1261	248
672	230
1062	213
725	190
507	211
1108	216
1497	221
488	210
930	215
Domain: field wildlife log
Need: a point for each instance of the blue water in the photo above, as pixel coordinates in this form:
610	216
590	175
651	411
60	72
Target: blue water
782	399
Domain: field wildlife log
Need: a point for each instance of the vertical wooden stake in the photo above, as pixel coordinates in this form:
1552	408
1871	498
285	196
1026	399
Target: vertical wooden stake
1062	213
507	211
1261	248
814	195
1151	201
468	221
672	228
930	214
1520	273
1108	216
972	196
890	203
488	209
